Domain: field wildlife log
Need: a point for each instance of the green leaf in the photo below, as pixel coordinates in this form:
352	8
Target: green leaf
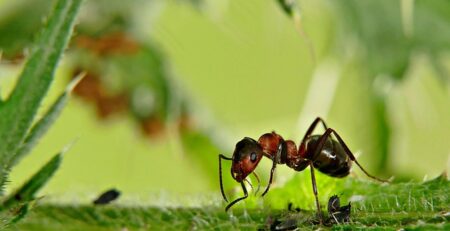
12	215
22	211
28	191
19	110
41	127
407	205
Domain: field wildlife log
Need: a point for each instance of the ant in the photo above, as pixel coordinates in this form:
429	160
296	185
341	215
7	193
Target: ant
322	152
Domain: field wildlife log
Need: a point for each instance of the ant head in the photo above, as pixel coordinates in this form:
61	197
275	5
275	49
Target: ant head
246	157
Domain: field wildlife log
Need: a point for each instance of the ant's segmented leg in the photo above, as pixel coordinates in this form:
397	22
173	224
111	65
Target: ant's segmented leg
314	185
274	165
313	126
220	174
235	201
352	157
322	141
302	145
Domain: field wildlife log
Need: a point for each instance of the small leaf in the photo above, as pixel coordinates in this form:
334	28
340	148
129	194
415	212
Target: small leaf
19	110
28	191
41	127
287	6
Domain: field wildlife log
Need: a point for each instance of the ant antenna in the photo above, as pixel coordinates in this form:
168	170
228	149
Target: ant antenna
259	182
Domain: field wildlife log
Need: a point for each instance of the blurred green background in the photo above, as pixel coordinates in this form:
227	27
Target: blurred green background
247	70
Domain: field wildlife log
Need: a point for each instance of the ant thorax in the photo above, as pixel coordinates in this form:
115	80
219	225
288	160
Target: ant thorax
275	147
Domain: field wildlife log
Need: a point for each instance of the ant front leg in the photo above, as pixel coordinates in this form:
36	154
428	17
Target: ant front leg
220	174
237	200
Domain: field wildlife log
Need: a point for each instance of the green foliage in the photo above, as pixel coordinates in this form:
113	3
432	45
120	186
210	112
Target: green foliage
287	6
20	20
17	135
391	54
28	191
41	126
375	206
19	110
418	206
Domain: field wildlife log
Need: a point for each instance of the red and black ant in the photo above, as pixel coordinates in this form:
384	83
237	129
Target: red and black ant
328	155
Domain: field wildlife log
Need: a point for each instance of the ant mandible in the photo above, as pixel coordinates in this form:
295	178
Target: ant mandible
322	152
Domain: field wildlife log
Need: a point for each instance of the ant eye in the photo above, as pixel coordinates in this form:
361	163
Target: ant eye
253	156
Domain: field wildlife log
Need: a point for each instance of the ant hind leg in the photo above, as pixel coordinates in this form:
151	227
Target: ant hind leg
352	157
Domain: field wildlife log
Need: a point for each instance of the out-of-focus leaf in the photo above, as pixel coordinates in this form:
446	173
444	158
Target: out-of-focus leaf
28	191
12	215
388	49
41	127
21	213
20	20
384	131
204	153
385	49
20	108
287	6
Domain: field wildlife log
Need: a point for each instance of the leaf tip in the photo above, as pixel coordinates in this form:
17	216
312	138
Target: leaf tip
75	81
69	146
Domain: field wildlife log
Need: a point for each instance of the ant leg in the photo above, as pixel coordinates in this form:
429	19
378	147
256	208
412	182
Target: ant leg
235	201
352	157
274	165
309	132
220	174
313	126
314	185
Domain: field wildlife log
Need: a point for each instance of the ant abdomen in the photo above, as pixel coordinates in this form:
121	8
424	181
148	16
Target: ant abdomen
331	159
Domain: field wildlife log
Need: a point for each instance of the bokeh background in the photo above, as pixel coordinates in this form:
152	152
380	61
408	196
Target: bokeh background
171	84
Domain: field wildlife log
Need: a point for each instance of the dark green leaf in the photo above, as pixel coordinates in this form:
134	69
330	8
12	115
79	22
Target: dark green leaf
28	191
287	6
